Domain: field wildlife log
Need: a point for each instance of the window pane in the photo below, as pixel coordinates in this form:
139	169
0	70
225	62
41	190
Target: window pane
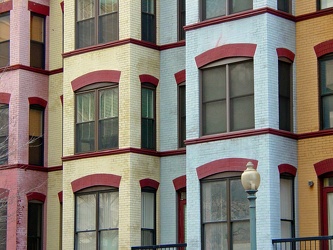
107	6
216	236
147	103
241	235
283	5
286	198
214	117
326	4
286	229
109	240
240	5
108	133
241	113
181	20
36	151
108	103
147	6
214	84
182	115
85	9
326	76
214	201
86	240
86	33
37	28
215	8
35	122
86	213
35	220
330	213
4	39
4	123
147	133
85	137
85	107
147	210
36	138
327	112
284	96
3	224
241	79
108	28
148	27
108	211
37	54
147	237
238	202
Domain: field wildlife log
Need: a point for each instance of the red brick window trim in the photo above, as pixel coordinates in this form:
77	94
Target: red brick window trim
324	167
37	101
6	6
179	182
287	169
148	79
324	48
39	8
36	196
110	180
62	6
282	52
149	183
60	195
4	98
225	51
180	76
95	77
224	165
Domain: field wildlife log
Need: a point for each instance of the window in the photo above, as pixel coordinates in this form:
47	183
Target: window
148	126
181	19
37	41
36	135
287	206
148	217
182	216
285	96
182	114
97	118
225	213
284	5
96	22
4	39
148	22
4	122
326	91
3	224
97	218
227	97
324	4
216	8
35	225
327	206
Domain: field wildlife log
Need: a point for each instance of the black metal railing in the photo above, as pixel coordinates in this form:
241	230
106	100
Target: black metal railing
181	246
304	243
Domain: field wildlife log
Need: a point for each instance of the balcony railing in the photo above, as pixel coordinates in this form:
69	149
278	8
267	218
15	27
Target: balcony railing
304	243
181	246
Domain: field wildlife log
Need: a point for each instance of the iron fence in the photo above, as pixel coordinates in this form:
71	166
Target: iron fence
181	246
304	243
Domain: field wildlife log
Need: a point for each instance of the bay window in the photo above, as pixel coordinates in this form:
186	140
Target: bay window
225	213
97	118
217	8
97	218
227	97
96	22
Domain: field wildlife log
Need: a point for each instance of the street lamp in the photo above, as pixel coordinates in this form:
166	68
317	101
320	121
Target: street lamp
251	180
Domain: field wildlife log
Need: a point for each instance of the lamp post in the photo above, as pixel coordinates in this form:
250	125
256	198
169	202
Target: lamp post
251	180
